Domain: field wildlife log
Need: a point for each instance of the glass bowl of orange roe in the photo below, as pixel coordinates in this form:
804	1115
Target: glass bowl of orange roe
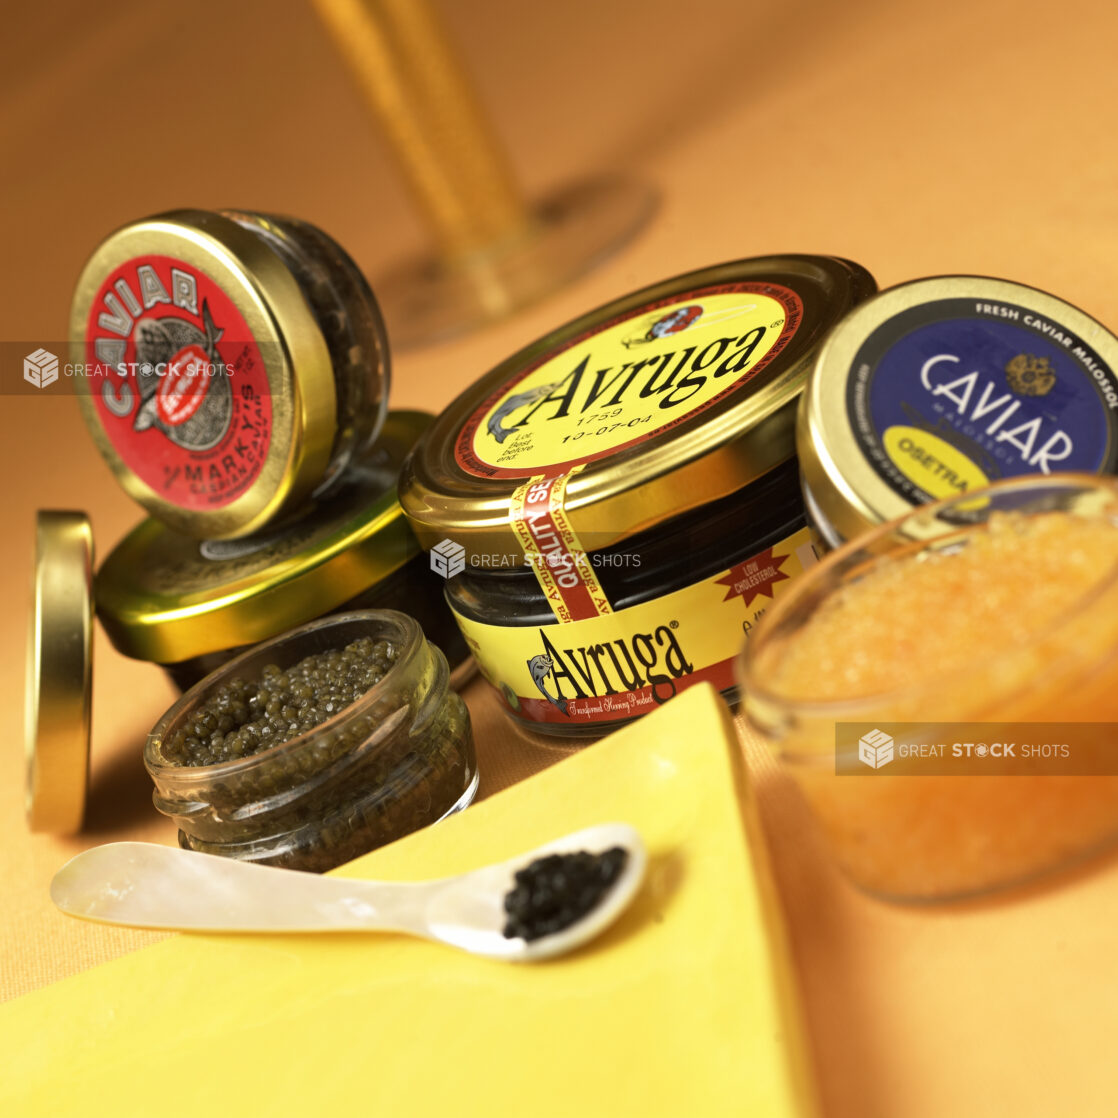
998	608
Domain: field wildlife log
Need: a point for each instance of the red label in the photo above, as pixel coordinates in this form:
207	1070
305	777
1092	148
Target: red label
550	545
754	577
178	382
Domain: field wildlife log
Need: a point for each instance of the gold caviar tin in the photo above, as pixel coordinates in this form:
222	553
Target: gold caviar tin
234	363
190	605
944	385
59	673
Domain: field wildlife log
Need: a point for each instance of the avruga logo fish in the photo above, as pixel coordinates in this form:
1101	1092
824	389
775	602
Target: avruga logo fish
514	403
539	668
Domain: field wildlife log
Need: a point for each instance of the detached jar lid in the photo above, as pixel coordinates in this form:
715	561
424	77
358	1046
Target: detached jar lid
59	675
210	386
643	409
943	385
165	597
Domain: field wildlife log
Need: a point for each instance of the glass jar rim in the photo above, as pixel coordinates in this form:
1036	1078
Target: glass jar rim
928	515
412	642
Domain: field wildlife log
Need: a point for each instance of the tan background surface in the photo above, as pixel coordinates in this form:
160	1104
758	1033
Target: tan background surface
917	139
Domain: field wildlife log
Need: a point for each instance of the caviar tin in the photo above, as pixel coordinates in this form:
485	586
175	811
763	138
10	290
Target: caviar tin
59	673
191	605
943	385
234	363
614	505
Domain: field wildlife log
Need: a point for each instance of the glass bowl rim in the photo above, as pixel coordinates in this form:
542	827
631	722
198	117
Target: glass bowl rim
413	641
848	709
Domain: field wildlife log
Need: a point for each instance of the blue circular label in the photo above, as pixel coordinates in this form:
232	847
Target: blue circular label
954	394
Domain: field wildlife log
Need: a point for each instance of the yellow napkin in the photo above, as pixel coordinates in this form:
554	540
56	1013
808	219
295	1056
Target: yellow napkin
681	1010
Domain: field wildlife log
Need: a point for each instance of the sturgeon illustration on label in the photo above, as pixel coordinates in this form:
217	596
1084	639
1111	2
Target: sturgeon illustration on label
634	377
181	391
953	394
622	664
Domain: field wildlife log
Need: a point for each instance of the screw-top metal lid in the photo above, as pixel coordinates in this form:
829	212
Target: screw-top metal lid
210	388
645	408
943	385
59	661
165	597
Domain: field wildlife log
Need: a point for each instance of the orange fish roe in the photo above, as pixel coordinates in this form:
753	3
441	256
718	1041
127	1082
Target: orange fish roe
938	611
1019	623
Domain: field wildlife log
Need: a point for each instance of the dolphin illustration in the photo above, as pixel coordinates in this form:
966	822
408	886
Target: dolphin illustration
539	667
521	399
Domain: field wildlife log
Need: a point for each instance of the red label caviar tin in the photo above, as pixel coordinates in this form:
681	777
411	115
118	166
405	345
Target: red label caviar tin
234	364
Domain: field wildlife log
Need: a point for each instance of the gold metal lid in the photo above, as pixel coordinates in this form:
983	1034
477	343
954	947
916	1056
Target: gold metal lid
657	403
59	673
230	437
946	384
165	597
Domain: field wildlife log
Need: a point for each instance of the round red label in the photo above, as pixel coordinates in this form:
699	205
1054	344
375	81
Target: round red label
178	382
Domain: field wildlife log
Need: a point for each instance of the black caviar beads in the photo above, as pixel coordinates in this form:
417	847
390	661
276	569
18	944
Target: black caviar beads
242	718
554	892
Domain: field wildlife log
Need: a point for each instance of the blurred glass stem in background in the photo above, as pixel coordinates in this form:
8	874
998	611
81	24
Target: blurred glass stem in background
494	253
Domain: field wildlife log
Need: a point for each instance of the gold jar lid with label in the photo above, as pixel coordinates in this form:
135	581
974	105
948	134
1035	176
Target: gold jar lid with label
234	363
646	408
944	385
165	597
59	673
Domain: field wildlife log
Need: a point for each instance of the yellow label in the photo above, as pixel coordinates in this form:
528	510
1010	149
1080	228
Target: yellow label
931	463
619	665
629	380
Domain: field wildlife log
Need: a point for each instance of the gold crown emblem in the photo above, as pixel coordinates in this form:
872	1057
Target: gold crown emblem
1030	376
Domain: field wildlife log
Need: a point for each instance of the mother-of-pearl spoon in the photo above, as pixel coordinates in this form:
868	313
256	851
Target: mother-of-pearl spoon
144	885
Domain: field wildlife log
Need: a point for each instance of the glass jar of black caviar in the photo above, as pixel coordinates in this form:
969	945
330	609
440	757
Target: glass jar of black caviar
614	505
317	746
235	363
676	594
191	605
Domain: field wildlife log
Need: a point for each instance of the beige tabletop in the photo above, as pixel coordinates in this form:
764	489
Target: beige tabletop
967	136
